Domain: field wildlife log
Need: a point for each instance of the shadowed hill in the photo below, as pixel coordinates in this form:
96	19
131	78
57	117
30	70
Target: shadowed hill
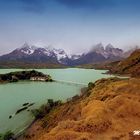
130	65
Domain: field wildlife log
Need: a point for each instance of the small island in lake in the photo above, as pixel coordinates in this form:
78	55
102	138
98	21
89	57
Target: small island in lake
24	75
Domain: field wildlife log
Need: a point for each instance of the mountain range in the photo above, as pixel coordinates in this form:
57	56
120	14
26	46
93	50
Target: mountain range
48	55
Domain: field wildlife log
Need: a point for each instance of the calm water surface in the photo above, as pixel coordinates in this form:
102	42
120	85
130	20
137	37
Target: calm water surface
13	95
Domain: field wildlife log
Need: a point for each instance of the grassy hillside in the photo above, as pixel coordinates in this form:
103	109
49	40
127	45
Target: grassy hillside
130	65
109	110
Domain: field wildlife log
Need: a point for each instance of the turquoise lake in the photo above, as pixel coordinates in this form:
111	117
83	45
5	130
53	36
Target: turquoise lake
14	95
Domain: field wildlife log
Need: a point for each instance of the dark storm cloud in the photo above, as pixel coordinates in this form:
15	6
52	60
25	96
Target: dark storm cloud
99	4
39	6
86	3
36	6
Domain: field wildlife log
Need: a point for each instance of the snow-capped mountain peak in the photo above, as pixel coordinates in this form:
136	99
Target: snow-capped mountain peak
27	49
107	51
27	46
109	46
48	51
97	48
49	54
60	54
110	50
75	56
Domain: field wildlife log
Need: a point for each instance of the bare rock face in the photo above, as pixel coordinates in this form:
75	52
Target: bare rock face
109	51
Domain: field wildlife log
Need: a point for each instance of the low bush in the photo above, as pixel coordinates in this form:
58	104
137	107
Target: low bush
7	136
45	109
91	85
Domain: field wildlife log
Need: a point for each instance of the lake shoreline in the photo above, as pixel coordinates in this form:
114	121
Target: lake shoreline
84	94
80	75
99	98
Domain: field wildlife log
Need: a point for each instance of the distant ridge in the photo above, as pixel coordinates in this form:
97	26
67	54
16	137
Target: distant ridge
46	56
130	65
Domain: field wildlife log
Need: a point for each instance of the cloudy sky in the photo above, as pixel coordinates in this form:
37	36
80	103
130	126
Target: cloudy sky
74	25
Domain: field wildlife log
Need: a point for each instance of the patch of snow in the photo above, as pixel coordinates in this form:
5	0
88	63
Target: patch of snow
74	56
60	54
48	51
27	49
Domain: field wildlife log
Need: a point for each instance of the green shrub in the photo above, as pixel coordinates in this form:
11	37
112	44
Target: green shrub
37	113
7	136
45	109
91	85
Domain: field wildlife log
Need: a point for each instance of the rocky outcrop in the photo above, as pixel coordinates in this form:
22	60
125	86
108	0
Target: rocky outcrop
24	75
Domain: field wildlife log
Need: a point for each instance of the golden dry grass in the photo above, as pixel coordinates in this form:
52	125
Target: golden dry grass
111	112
